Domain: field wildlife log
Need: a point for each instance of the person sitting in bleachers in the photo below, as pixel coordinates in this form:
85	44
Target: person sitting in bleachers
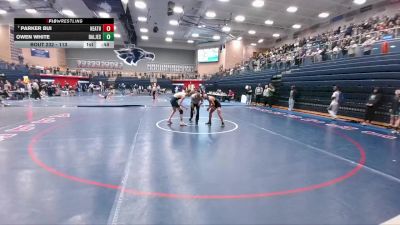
372	105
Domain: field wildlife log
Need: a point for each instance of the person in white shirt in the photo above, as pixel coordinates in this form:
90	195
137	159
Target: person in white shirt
176	103
292	97
258	92
352	49
367	45
334	106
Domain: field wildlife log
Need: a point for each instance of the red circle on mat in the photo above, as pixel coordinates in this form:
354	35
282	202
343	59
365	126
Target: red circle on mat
355	170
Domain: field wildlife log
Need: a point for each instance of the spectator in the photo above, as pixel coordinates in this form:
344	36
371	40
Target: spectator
395	112
36	90
372	104
269	92
335	103
258	92
352	49
231	95
367	45
292	97
249	94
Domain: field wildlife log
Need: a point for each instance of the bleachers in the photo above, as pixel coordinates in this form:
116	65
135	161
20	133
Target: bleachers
356	77
13	75
237	83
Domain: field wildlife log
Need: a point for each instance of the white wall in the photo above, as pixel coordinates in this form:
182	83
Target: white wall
163	56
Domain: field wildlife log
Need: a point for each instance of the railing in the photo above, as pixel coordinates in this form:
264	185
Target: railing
310	56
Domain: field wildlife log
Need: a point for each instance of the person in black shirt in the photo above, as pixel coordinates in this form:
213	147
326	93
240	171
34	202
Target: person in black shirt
372	105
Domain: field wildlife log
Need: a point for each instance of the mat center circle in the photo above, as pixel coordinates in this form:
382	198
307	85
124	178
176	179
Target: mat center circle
200	129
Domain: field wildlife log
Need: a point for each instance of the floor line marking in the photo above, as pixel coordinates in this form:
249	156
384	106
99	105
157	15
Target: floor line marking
390	177
393	221
119	198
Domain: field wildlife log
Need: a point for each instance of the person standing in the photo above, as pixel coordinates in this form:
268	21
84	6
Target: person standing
249	94
197	101
176	103
372	105
36	90
292	97
335	100
258	92
269	92
214	104
395	112
154	91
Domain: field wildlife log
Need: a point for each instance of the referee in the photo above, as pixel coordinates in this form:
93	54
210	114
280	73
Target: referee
197	101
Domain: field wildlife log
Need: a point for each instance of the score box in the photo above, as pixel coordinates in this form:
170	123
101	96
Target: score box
108	36
108	27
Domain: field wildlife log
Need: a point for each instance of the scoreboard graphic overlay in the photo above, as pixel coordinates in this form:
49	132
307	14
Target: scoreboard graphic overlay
64	33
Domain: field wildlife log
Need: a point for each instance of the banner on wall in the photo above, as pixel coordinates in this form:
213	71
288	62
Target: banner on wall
99	64
171	68
133	55
40	53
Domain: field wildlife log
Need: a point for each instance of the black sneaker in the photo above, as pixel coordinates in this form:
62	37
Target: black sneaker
223	124
190	120
197	123
209	123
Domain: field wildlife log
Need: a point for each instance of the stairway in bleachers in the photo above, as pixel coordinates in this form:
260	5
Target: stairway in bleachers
356	77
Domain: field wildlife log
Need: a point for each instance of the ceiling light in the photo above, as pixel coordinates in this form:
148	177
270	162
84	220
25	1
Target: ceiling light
296	26
125	1
195	35
292	9
240	18
253	44
239	38
276	35
170	32
323	15
3	11
117	35
258	3
226	29
140	4
168	39
223	0
190	41
104	15
174	22
178	9
13	0
359	2
144	37
31	11
142	19
201	26
68	12
269	22
252	32
144	30
211	14
261	41
216	37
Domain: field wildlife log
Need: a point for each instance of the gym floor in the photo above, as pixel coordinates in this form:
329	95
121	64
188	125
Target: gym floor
86	160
